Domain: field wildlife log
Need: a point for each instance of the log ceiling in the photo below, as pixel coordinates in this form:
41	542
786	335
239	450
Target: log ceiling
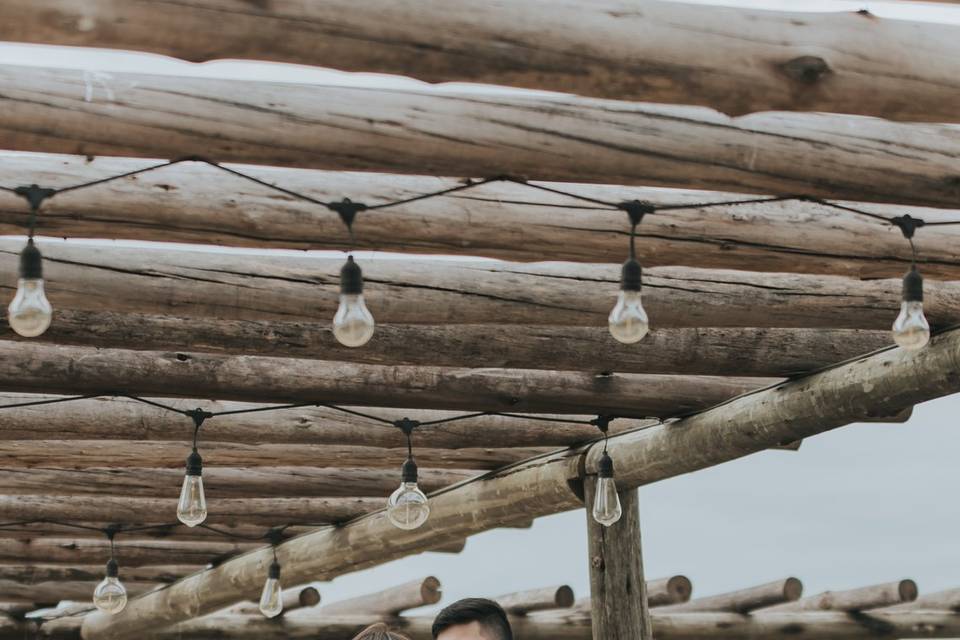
770	321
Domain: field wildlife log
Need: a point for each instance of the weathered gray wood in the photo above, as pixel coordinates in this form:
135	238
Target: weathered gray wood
28	574
292	600
523	602
389	602
797	409
745	600
860	599
197	204
137	453
665	53
48	594
267	512
948	600
618	592
707	351
35	367
110	418
671	590
305	289
133	553
219	482
441	132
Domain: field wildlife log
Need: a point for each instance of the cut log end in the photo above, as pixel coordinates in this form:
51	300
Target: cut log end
430	590
680	588
908	590
792	589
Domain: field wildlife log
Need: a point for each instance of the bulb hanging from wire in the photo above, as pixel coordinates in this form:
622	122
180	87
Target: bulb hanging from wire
628	320
353	323
407	507
911	330
606	503
271	598
30	313
110	596
192	506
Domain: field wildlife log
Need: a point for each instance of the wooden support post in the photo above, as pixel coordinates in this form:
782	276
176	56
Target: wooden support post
617	589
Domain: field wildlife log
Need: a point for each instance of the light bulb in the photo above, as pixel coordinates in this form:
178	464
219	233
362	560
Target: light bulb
628	321
911	330
192	507
110	596
29	313
407	507
353	323
271	599
606	503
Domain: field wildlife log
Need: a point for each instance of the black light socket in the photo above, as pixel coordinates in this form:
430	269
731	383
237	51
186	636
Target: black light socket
409	471
113	569
913	286
194	464
605	466
631	276
274	572
351	278
31	262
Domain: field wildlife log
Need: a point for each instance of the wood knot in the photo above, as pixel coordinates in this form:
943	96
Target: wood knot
597	563
806	69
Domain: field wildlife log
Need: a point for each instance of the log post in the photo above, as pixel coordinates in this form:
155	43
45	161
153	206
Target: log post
617	589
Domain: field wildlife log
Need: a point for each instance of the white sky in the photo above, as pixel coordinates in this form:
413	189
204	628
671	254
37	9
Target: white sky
864	504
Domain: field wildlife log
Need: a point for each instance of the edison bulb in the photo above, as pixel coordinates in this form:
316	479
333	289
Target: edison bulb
110	596
911	330
353	323
192	507
29	313
407	507
606	504
628	320
271	599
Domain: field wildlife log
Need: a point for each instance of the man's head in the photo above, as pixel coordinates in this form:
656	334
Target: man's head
472	619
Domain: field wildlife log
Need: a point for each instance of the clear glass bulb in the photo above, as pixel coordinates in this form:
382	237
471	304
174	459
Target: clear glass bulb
407	507
628	321
110	596
271	599
192	507
353	323
911	330
606	504
29	313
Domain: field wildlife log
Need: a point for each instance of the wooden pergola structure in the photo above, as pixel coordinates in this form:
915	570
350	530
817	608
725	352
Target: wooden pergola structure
770	317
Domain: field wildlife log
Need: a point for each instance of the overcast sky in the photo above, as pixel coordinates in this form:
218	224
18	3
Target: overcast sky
864	504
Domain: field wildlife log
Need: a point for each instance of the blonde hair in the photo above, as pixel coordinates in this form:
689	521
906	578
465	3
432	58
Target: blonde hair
379	631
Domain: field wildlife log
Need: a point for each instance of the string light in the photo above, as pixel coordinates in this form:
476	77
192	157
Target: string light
192	506
110	596
407	507
30	313
628	320
606	501
353	323
271	598
911	330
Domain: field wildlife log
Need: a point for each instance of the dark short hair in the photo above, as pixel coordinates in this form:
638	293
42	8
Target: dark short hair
487	613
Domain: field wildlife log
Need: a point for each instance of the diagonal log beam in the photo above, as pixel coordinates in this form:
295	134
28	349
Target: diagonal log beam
800	408
667	52
433	292
707	351
441	132
36	367
198	204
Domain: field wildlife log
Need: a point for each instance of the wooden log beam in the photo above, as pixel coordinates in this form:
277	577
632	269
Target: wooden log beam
618	594
48	594
171	455
670	590
266	512
389	602
441	132
305	289
133	553
746	600
34	367
292	600
220	483
666	53
108	418
800	408
948	600
523	602
871	597
705	351
498	220
35	573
